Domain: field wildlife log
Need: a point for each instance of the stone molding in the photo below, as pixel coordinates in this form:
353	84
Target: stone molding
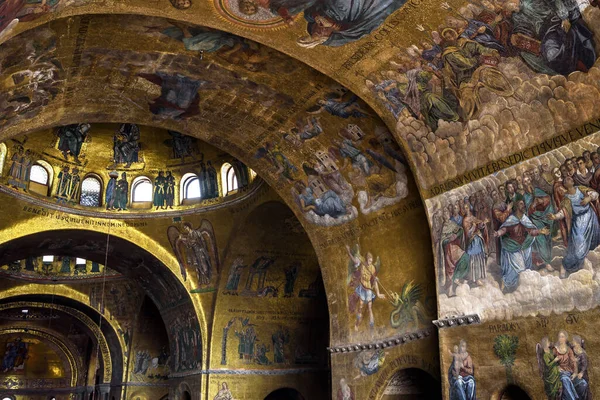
454	321
382	344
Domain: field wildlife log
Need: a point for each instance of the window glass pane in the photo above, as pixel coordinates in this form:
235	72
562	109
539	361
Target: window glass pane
80	261
142	191
2	156
90	192
232	183
192	188
39	174
47	258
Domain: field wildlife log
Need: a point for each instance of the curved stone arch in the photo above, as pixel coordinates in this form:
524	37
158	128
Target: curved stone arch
214	22
104	349
499	394
424	384
29	232
58	343
77	356
159	253
182	388
49	119
392	367
207	135
356	230
37	289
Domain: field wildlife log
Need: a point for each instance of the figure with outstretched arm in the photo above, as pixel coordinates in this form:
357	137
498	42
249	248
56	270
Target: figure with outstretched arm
367	287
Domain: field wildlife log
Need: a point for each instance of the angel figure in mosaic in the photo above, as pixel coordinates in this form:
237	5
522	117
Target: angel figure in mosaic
362	277
196	249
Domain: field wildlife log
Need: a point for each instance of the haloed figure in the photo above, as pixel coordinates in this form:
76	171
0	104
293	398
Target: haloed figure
364	274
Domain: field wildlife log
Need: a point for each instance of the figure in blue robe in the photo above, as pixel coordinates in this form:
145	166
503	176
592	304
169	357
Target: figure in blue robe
566	41
109	198
539	206
339	22
201	39
577	212
485	38
518	234
328	204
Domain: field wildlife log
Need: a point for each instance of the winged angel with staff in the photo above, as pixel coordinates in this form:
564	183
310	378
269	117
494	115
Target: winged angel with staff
362	274
195	249
363	279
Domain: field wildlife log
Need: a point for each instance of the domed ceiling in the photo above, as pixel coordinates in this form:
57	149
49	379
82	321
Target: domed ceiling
121	168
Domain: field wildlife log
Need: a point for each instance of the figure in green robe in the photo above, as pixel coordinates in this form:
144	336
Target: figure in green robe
159	190
468	67
539	206
548	369
121	193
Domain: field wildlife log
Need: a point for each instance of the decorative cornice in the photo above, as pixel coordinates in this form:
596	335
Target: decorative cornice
291	371
254	187
141	384
460	320
382	344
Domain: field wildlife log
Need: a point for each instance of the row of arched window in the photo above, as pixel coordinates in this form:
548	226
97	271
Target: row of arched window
192	186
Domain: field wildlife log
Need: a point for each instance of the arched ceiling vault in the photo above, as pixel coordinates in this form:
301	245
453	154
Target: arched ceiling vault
165	290
112	361
31	290
292	128
72	363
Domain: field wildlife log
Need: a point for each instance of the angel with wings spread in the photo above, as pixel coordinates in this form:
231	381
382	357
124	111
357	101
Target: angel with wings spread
362	276
195	248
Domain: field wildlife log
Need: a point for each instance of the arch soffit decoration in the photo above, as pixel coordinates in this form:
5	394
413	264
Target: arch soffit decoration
37	289
390	29
105	112
87	321
155	257
58	343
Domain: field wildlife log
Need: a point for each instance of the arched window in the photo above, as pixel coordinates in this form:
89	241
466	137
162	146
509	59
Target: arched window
3	151
228	179
40	178
190	187
39	175
141	190
91	192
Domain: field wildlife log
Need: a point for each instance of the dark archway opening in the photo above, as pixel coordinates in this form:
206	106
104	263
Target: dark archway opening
285	394
161	286
186	395
513	392
412	384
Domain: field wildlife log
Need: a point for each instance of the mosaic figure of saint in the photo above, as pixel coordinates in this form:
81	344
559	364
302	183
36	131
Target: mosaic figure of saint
126	145
71	138
169	190
111	187
160	184
362	276
195	249
64	185
15	171
121	193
